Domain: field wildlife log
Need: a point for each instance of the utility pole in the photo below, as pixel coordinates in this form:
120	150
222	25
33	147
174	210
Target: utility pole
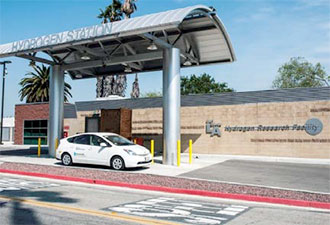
3	95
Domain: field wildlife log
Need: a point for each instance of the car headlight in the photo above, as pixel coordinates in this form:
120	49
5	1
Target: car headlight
130	152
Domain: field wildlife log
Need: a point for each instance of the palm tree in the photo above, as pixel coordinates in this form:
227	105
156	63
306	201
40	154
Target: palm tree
135	88
107	85
115	84
36	87
103	15
112	12
128	8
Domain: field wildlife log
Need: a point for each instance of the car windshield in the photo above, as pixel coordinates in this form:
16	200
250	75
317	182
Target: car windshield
118	140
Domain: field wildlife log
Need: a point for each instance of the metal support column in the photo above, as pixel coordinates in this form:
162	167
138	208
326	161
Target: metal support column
56	105
171	104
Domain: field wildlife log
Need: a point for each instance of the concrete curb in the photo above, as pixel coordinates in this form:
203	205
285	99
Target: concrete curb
292	202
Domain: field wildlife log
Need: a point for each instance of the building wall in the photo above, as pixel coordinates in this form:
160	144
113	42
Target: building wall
37	111
148	124
8	130
74	126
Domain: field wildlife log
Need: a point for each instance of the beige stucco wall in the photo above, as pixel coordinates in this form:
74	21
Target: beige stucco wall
259	143
78	125
147	123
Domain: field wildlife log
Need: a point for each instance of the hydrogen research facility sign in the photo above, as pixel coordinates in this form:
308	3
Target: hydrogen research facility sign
312	127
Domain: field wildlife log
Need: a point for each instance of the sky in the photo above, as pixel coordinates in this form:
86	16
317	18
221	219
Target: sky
265	34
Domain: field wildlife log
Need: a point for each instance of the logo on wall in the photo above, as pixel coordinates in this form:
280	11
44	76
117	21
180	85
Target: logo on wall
213	128
313	126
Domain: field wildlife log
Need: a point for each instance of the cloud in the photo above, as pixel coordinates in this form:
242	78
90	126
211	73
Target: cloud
257	15
303	4
325	49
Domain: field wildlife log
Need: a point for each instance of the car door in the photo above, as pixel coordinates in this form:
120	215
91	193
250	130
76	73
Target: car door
81	149
99	154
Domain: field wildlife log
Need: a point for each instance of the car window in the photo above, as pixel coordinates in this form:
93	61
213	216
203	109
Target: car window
118	140
96	140
83	140
71	140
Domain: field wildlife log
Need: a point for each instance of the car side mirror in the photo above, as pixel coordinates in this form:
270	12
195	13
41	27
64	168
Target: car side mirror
103	144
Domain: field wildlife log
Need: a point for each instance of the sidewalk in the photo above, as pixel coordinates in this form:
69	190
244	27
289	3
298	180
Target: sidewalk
235	177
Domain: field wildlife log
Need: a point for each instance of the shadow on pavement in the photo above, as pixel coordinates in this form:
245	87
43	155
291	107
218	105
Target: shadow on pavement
22	215
100	167
43	196
32	151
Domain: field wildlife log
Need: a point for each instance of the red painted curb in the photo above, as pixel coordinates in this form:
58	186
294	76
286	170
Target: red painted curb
292	202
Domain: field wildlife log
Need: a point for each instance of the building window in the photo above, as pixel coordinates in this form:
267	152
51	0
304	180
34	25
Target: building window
92	124
34	129
12	134
6	134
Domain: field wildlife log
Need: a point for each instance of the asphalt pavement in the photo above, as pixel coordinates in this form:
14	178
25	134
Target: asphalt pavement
25	200
228	169
16	213
309	177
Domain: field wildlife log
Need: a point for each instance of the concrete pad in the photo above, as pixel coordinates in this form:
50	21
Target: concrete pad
31	160
293	176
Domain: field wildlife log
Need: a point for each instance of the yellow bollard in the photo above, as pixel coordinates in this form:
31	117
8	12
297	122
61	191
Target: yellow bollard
152	143
190	151
179	153
39	147
56	145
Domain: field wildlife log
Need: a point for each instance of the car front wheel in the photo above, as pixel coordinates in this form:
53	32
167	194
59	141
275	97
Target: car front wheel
117	163
66	159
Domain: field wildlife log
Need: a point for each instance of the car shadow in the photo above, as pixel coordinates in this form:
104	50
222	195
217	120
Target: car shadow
101	167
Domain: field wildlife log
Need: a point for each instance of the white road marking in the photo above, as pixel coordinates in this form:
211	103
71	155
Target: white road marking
182	211
184	207
227	212
234	209
10	184
193	205
203	221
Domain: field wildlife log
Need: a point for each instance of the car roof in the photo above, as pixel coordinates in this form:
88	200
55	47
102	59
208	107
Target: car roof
96	133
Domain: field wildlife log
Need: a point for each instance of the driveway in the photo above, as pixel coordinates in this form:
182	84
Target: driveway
309	177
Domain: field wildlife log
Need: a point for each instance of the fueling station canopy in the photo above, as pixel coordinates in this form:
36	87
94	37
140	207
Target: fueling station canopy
167	41
111	48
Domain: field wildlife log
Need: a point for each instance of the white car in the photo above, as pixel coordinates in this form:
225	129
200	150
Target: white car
107	149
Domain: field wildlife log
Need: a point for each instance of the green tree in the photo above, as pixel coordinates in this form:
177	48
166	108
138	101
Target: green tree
112	12
298	72
152	94
35	88
202	84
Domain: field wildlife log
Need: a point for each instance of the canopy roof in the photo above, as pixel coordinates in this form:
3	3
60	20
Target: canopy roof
122	47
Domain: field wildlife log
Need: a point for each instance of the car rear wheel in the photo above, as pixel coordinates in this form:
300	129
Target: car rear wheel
117	163
66	159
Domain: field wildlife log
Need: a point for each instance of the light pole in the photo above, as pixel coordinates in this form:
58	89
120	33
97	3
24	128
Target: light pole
3	95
